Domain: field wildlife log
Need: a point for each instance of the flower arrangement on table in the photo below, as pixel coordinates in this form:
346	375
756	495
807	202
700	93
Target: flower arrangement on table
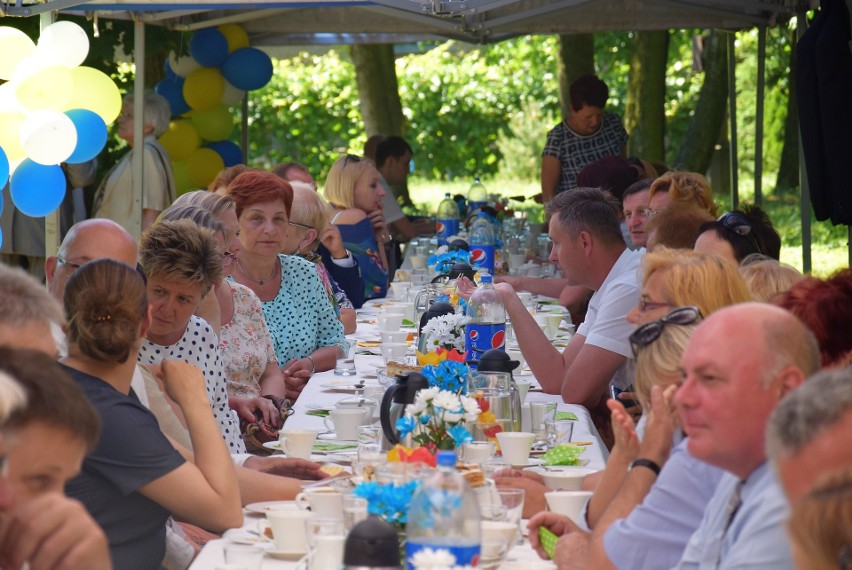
389	500
446	331
436	420
443	260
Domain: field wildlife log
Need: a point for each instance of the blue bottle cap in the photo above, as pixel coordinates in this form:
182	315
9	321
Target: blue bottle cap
446	458
485	278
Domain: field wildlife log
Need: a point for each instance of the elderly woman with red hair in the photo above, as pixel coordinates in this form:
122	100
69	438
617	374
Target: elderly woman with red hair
305	331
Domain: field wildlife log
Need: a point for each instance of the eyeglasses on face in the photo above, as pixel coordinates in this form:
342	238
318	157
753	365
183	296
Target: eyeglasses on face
645	305
70	264
648	333
298	225
738	224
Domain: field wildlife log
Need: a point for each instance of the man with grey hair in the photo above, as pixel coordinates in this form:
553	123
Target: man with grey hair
808	434
590	250
27	312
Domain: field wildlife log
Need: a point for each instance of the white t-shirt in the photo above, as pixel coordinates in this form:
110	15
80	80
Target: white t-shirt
606	325
390	207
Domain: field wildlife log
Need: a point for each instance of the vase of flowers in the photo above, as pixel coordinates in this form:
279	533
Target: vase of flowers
443	332
438	419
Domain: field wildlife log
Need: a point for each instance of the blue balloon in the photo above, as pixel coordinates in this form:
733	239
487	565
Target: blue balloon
36	189
209	47
230	152
248	69
171	89
4	173
91	135
168	69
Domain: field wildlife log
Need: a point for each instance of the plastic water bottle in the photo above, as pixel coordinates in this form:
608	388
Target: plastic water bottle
477	195
448	219
482	243
486	323
444	513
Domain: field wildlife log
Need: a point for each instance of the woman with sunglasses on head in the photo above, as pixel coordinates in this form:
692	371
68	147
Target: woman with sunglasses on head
738	234
642	515
308	222
352	188
305	331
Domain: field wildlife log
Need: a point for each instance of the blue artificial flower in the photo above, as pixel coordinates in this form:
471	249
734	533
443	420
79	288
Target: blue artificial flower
389	501
405	425
424	418
460	435
443	262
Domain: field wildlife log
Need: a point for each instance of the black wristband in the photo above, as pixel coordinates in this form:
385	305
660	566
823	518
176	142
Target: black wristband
652	465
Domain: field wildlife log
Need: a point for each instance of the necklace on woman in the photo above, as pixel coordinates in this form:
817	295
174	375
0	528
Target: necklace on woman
258	281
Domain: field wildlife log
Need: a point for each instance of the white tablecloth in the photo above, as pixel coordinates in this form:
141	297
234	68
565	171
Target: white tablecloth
314	395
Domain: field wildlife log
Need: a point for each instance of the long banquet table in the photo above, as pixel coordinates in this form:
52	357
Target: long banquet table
316	396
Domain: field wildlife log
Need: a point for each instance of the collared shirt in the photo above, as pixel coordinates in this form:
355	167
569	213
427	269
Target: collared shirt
605	325
390	207
656	532
756	537
575	151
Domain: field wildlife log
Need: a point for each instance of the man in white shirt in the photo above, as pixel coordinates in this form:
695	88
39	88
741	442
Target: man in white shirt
393	161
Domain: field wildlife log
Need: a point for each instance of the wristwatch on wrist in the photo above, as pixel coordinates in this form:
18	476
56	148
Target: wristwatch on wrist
641	462
314	369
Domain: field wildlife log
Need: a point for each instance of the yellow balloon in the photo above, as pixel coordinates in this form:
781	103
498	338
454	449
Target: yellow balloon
95	91
15	45
49	89
10	135
203	88
215	124
203	165
236	36
181	174
181	140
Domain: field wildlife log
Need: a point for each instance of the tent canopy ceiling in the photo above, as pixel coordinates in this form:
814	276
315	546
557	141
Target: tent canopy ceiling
290	22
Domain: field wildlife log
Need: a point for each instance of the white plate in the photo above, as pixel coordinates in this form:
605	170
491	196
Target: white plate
265	506
247	536
345	457
341	387
286	555
530	462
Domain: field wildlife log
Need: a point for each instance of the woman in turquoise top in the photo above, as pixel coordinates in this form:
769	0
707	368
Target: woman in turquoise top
353	188
305	331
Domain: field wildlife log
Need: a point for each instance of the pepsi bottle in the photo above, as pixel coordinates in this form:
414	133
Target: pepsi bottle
448	219
477	195
444	513
482	243
486	321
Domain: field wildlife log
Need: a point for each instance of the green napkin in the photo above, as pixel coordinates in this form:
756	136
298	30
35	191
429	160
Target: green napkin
562	454
318	413
331	446
407	323
566	416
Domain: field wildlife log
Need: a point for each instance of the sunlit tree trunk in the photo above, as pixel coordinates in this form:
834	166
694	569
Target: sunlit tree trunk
788	169
576	58
644	114
696	150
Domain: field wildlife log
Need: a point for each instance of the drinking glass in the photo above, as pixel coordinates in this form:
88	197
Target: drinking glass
513	501
540	412
558	431
345	365
319	526
354	511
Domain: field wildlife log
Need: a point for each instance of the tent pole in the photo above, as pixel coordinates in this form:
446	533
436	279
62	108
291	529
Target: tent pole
804	189
758	119
244	128
51	221
732	112
137	164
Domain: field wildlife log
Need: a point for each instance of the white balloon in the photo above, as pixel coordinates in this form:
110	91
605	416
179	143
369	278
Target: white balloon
65	42
15	45
184	65
8	99
232	95
31	65
48	137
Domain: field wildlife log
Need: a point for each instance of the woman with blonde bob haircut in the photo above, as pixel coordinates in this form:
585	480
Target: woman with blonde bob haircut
821	524
352	188
681	187
677	278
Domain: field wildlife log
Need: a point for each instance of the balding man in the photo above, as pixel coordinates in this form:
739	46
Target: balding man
738	365
808	434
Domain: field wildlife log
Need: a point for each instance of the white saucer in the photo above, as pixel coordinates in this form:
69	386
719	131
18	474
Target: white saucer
294	556
265	506
247	536
530	462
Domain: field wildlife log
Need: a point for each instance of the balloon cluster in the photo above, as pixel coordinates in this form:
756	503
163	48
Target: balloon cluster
52	110
200	89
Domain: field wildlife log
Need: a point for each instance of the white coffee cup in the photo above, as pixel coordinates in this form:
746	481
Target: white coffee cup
525	297
394	351
523	389
345	421
516	354
298	443
517	259
544	323
516	446
418	261
327	554
478	452
393	337
324	502
400	289
390	321
288	529
568	503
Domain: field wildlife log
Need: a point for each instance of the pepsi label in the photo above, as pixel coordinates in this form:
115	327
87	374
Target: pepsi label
446	227
482	257
480	337
475	205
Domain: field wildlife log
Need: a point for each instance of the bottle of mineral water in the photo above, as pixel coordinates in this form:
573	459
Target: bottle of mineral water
477	195
483	242
444	514
447	218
